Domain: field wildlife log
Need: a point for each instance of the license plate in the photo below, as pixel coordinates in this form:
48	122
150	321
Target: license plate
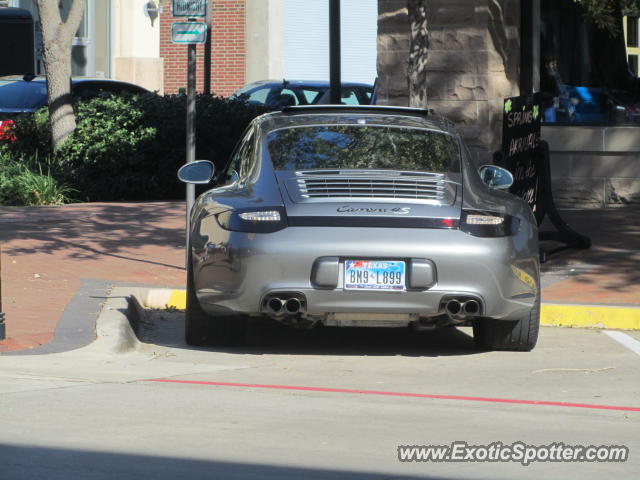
374	275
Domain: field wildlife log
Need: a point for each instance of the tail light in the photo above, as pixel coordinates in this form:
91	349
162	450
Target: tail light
488	224
254	220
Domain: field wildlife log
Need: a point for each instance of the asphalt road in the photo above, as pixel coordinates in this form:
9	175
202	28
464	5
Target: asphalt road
95	414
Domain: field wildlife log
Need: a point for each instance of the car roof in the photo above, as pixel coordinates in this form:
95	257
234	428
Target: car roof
349	114
74	80
15	13
305	83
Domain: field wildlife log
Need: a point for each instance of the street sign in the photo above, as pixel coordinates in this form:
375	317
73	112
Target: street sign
188	32
189	8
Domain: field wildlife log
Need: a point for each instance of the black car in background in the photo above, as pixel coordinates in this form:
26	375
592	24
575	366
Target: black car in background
27	94
288	93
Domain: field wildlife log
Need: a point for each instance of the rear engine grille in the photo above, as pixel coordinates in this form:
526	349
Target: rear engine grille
427	187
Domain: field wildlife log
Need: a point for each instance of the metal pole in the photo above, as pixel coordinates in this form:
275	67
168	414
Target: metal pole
526	47
334	52
207	54
191	129
3	332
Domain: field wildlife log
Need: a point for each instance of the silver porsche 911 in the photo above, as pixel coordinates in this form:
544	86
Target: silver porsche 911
360	216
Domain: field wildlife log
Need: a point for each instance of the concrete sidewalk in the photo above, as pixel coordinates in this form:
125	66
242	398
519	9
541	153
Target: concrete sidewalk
46	251
599	286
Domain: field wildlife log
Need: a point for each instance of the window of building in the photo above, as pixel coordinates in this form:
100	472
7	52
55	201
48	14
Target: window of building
587	75
633	64
632	31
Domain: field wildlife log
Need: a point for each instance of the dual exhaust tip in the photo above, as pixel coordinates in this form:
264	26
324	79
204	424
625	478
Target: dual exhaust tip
461	309
278	306
288	305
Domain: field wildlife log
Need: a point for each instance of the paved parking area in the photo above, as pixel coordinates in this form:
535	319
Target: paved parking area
357	395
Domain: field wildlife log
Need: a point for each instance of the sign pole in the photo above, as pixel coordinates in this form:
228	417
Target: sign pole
191	128
191	32
207	55
3	332
334	53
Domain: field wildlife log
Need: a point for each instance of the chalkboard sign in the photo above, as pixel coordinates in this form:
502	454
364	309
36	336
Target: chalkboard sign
527	158
520	140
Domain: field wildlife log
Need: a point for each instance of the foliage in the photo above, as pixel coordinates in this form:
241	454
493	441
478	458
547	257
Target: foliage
19	185
605	13
130	147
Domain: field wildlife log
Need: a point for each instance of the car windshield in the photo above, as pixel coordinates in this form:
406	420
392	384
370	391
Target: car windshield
22	96
363	147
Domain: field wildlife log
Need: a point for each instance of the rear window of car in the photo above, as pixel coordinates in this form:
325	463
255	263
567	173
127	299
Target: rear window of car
363	147
19	95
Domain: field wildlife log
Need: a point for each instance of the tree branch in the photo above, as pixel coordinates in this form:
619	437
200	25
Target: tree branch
74	18
49	10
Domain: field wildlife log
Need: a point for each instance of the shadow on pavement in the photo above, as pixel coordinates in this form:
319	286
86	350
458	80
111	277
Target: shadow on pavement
89	231
266	337
59	464
615	238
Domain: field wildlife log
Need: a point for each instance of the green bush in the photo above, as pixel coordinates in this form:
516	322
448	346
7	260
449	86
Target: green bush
21	186
130	147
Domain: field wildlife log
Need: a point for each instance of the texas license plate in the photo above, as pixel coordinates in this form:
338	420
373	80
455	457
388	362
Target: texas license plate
374	275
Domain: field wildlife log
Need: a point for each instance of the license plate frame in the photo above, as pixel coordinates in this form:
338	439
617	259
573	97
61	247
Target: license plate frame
369	275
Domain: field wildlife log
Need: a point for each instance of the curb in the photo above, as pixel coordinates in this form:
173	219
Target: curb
580	316
116	324
591	316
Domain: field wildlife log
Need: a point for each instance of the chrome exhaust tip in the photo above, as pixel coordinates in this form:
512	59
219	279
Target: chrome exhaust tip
292	305
275	306
471	307
454	309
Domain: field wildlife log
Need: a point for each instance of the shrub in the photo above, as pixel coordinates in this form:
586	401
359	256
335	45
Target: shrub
21	186
130	147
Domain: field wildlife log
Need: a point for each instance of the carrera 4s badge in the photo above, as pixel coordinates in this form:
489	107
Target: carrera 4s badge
396	210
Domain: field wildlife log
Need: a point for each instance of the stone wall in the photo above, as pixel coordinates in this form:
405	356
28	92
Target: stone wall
594	167
472	66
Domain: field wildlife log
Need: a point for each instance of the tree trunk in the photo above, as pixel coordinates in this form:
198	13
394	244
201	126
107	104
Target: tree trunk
57	37
418	52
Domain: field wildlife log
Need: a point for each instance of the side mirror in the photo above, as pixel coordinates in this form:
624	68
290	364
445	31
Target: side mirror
496	177
200	172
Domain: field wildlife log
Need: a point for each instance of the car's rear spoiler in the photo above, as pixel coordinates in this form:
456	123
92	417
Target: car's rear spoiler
442	122
422	112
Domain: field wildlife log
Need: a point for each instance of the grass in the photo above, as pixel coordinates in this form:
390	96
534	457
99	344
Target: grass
24	186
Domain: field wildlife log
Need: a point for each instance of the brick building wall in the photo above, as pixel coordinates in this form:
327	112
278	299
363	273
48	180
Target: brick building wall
228	50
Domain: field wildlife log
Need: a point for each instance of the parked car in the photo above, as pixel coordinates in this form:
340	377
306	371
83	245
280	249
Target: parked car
286	93
580	104
360	216
27	94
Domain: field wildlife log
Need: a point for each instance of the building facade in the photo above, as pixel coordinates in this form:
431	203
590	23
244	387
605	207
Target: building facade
482	51
250	40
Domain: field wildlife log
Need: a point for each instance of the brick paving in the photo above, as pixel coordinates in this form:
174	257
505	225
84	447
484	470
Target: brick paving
46	251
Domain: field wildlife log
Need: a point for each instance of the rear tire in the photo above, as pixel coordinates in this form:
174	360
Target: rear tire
510	335
202	329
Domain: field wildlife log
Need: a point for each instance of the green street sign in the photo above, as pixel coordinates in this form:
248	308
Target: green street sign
188	32
189	8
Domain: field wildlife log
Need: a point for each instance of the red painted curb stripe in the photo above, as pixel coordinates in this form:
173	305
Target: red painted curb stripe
401	394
